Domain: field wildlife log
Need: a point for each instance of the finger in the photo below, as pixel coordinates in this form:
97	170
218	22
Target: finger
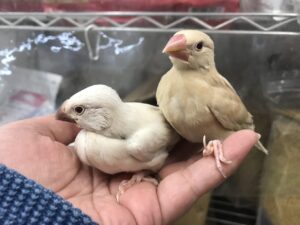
173	167
178	191
60	131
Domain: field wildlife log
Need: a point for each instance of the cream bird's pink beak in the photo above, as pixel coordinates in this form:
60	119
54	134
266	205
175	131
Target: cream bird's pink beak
176	47
61	114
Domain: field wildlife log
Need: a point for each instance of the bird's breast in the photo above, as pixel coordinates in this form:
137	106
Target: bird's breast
184	101
189	115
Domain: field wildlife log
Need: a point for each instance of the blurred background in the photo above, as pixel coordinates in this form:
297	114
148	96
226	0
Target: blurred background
51	49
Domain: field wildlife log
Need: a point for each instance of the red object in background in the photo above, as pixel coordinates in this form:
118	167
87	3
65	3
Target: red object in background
29	98
21	6
119	5
138	5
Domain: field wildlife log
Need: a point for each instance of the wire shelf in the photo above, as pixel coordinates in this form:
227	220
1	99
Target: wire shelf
241	23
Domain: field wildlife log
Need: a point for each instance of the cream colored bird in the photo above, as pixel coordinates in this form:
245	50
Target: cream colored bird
198	101
118	136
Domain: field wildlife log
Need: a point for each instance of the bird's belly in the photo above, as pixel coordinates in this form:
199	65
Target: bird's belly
194	131
192	120
94	155
97	154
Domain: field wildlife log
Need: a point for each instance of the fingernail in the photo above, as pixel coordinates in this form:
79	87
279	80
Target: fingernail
258	136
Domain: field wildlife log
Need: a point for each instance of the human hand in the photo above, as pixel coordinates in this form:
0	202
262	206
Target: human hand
37	149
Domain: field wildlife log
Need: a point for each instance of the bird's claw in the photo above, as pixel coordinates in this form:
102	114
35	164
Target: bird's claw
136	178
215	146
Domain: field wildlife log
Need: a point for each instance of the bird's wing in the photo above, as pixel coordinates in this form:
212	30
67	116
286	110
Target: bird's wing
114	155
228	108
122	148
145	144
223	81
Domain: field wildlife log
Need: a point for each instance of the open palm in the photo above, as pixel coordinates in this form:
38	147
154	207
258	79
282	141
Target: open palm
37	149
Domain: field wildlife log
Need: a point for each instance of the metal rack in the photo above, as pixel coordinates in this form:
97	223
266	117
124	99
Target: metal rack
242	23
159	22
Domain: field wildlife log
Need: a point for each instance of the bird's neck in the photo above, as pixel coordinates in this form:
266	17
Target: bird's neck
120	127
203	70
204	65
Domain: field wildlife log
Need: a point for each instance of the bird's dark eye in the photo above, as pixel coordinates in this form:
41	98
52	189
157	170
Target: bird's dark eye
79	109
199	45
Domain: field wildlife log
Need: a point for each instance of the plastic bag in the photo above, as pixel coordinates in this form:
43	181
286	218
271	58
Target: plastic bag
282	89
27	93
280	197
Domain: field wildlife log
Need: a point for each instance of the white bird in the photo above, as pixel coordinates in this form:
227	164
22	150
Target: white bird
117	136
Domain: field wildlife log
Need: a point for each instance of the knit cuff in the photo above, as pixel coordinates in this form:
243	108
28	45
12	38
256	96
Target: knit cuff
23	201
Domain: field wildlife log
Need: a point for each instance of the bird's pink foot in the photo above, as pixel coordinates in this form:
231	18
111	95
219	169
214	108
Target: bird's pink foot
215	147
136	178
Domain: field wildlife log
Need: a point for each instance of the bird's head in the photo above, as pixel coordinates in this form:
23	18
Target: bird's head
190	49
92	109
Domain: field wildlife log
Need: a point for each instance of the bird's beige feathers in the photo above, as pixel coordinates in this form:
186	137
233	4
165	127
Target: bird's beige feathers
194	97
196	106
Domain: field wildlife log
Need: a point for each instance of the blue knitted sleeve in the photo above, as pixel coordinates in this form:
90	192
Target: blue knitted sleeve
23	201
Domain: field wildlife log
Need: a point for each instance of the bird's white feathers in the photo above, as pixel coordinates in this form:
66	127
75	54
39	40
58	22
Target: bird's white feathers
129	136
112	155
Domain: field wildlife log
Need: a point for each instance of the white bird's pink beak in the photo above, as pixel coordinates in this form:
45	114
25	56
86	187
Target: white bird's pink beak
61	114
176	47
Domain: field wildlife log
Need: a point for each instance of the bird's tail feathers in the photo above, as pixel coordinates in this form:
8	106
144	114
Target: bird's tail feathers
260	146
